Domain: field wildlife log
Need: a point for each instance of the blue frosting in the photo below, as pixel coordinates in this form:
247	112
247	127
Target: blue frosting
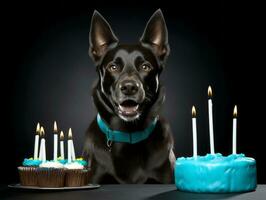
62	161
82	162
31	163
216	173
78	160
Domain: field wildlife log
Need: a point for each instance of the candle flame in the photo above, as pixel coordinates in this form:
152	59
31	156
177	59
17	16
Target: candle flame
42	133
193	111
209	91
38	128
55	127
235	111
61	135
70	133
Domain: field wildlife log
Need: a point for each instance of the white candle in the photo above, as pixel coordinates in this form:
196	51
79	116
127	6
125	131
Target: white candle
36	142
55	141
73	155
62	153
41	150
210	120
44	151
41	145
69	146
42	155
194	131
234	128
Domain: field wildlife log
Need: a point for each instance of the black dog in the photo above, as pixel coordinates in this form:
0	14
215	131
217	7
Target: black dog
129	142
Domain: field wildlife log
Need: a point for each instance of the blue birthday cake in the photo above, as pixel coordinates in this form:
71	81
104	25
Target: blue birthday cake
216	173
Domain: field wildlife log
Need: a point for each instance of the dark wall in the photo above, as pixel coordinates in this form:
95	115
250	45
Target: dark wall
50	74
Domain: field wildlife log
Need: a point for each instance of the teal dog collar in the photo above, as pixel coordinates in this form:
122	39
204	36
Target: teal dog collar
128	137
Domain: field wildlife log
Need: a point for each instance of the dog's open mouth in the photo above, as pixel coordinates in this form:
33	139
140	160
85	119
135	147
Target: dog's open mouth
128	108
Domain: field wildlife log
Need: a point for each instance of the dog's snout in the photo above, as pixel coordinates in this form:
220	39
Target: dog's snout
129	87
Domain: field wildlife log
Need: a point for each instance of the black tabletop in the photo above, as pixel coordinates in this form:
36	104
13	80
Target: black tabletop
128	192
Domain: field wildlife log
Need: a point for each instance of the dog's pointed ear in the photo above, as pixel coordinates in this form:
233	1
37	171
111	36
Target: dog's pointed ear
101	36
156	35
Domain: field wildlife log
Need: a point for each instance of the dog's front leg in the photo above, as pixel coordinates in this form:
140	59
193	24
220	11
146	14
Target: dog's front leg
165	173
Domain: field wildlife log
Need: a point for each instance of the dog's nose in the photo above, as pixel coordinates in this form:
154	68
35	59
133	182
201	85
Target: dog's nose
129	87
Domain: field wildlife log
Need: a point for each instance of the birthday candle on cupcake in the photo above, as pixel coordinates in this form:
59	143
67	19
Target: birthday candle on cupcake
42	155
73	155
41	146
36	142
62	153
55	140
69	146
44	145
234	128
210	120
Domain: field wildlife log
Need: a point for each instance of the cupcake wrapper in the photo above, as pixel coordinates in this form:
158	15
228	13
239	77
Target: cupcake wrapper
50	177
28	176
76	177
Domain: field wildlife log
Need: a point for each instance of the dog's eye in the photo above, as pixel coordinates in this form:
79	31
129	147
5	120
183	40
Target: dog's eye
112	68
146	67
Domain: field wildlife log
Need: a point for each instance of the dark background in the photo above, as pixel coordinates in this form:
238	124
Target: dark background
47	74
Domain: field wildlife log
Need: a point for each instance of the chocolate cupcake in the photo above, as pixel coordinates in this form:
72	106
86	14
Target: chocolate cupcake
76	173
51	174
28	172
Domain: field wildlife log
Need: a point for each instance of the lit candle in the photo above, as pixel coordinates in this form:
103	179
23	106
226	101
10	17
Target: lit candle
62	153
69	146
42	155
36	142
234	128
41	146
73	155
194	131
210	119
55	141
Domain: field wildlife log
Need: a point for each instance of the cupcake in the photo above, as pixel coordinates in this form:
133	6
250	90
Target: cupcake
28	172
76	173
51	174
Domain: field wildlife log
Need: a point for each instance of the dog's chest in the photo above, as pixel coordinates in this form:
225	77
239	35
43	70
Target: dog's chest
135	163
129	162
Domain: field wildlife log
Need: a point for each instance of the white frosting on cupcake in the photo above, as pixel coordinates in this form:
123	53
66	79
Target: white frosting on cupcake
51	164
73	165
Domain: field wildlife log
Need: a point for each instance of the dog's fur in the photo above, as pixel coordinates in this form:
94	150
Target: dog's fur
128	96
